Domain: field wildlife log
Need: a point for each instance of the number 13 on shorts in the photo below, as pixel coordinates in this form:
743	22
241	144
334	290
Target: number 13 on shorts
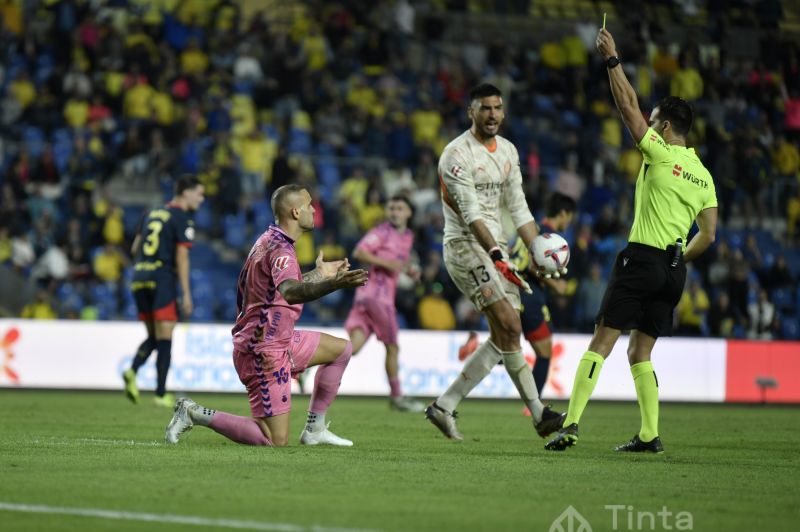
480	275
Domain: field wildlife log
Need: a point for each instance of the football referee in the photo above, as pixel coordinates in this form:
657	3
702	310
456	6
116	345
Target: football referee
673	190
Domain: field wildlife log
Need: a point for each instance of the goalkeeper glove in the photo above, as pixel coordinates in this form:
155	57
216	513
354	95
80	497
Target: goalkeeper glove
508	270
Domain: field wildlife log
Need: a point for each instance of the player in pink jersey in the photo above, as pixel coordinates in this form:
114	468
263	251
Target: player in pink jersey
267	351
386	248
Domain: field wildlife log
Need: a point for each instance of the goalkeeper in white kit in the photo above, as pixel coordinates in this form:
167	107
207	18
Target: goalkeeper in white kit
479	174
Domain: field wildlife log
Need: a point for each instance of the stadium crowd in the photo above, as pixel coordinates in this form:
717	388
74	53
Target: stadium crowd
356	101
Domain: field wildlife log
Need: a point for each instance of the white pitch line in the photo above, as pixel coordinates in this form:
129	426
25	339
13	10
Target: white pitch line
92	441
169	518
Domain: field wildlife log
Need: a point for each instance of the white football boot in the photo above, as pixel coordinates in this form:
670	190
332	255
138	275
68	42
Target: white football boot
323	437
181	422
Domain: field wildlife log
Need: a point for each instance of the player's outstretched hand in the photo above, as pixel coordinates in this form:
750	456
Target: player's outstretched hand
605	44
328	270
351	278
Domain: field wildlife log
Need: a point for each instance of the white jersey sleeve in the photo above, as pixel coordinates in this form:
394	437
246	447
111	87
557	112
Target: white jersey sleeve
458	185
514	195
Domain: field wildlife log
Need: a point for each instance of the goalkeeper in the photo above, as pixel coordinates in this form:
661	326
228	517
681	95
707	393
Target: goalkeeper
535	315
479	173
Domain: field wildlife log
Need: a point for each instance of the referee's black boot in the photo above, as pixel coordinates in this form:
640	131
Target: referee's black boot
566	437
551	421
638	446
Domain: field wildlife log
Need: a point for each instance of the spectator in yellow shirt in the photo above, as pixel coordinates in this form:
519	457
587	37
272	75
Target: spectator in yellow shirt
163	106
109	263
687	82
692	309
786	157
76	112
435	312
425	123
138	101
23	90
373	212
256	153
194	60
40	308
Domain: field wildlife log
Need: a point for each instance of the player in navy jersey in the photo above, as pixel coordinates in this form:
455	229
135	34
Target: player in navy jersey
161	252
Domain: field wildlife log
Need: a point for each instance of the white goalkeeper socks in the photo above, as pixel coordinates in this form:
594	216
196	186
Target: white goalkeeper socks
478	366
521	376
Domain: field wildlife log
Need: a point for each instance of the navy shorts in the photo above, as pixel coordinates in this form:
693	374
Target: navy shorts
535	315
155	294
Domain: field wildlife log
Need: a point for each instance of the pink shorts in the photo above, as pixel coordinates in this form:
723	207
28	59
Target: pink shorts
267	374
372	316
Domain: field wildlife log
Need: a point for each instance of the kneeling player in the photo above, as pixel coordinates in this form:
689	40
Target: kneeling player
267	349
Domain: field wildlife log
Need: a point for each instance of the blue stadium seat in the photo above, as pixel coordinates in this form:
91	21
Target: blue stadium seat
102	292
131	216
299	142
262	215
790	328
45	65
129	310
203	255
235	230
66	290
783	300
329	179
202	313
353	150
227	305
402	323
204	216
325	150
243	87
34	140
735	239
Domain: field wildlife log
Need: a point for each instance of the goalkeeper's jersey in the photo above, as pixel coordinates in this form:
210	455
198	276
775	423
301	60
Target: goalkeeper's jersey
476	182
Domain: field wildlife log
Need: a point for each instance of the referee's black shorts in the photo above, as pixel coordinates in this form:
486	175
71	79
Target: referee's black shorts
643	290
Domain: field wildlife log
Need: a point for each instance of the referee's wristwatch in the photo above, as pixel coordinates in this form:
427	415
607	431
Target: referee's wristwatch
612	61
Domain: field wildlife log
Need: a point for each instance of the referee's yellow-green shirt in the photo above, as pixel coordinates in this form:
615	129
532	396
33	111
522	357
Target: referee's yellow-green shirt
672	188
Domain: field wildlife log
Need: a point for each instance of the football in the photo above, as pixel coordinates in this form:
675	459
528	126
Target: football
550	252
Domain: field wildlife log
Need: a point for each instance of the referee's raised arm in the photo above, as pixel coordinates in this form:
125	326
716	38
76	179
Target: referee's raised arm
624	95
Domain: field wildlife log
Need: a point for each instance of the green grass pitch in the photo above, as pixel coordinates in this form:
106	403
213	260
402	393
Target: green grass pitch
730	467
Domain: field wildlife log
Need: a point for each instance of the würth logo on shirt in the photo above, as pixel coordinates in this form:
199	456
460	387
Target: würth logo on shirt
281	263
676	170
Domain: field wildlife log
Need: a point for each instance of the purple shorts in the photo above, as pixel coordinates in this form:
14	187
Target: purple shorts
373	316
267	373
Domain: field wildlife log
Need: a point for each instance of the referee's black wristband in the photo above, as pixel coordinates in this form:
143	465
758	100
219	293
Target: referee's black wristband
495	254
612	61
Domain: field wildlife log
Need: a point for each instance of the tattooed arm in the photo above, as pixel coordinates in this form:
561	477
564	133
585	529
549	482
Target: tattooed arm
312	277
295	292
